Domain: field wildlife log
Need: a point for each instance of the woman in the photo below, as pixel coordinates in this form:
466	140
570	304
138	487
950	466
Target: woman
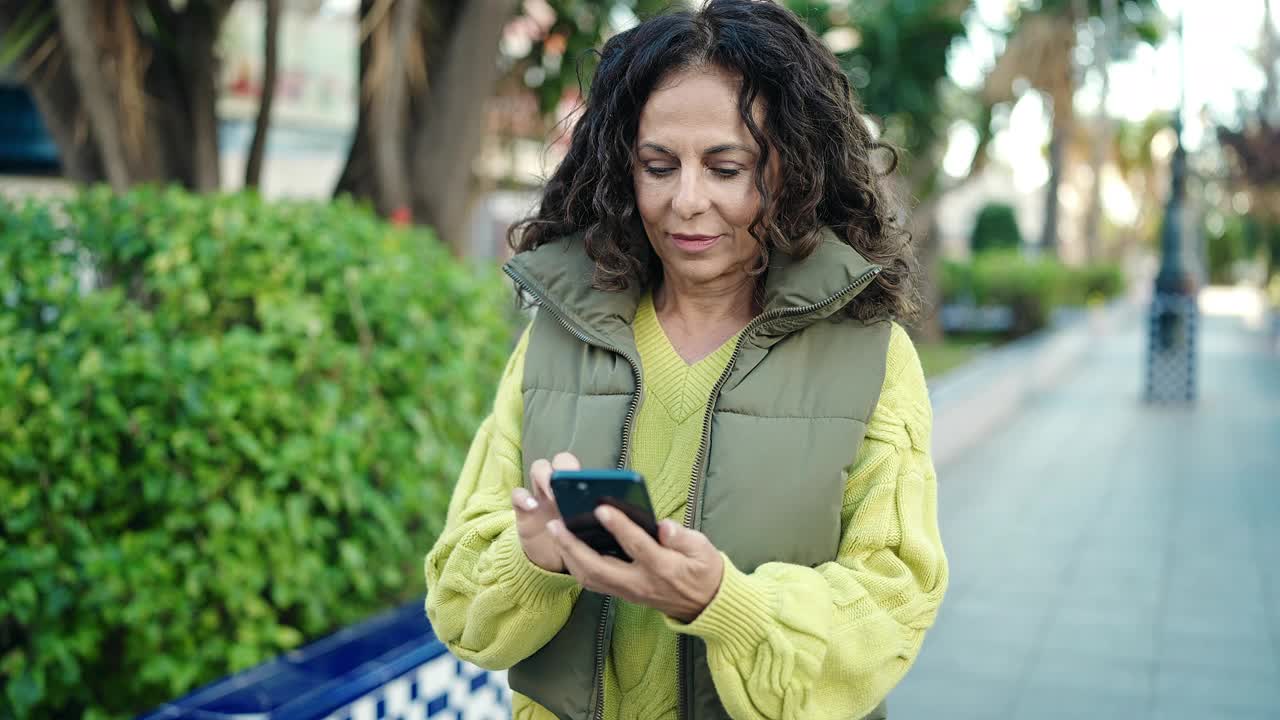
718	279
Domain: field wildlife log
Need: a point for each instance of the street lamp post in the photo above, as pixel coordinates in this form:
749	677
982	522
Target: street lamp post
1171	354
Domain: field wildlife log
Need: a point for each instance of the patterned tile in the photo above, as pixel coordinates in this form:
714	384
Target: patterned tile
443	689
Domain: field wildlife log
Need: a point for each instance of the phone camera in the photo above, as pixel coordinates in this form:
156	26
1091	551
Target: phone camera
582	486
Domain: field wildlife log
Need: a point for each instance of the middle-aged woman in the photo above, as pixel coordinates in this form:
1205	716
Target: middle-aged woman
719	280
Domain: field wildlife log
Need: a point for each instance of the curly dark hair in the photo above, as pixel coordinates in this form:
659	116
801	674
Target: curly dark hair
812	120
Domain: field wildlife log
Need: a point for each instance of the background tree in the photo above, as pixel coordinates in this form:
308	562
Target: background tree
1254	148
270	66
1041	51
895	54
127	88
996	229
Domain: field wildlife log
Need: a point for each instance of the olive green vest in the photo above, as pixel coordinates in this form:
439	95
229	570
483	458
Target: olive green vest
787	418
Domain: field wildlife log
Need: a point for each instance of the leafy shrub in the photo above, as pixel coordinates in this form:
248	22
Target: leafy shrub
995	229
1093	283
227	427
1226	245
1032	289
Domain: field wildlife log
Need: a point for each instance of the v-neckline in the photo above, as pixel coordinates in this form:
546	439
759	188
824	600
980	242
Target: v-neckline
681	387
647	313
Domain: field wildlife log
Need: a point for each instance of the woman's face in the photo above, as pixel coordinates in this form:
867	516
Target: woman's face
694	180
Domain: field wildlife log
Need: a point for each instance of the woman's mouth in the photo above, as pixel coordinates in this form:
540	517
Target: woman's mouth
693	243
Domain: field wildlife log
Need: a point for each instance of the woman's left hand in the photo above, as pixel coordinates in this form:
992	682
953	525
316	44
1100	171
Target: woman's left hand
678	575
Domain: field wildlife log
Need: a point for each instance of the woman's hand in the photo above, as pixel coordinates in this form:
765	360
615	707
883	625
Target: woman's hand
679	575
534	510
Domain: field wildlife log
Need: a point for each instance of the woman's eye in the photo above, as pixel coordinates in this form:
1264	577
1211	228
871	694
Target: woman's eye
726	172
658	171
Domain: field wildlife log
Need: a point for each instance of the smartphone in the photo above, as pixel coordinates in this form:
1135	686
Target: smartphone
579	492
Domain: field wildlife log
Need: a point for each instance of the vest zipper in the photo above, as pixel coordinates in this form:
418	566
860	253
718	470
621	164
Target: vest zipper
683	680
606	607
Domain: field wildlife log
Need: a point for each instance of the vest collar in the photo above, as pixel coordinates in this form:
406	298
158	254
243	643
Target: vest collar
796	293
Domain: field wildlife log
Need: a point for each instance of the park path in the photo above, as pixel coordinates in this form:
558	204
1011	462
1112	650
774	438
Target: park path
1115	560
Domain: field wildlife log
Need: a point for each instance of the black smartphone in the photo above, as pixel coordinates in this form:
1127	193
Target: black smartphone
579	492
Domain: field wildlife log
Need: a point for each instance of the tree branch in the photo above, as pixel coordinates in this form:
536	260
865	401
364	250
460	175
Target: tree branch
387	96
200	24
77	26
451	135
270	60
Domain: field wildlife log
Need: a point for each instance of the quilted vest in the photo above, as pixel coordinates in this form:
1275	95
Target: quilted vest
786	420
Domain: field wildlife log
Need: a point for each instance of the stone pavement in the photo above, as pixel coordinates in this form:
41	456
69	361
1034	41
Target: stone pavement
1114	560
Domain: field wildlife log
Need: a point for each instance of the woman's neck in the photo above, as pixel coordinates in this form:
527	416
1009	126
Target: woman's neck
697	320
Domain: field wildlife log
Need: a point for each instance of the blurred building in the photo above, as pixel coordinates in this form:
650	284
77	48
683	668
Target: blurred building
314	113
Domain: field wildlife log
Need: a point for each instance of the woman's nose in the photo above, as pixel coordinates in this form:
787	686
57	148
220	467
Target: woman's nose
691	197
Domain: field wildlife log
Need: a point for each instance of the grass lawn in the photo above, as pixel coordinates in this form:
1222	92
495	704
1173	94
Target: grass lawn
937	358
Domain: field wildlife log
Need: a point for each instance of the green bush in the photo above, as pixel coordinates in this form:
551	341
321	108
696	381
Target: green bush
1031	288
227	427
1226	246
995	229
1093	283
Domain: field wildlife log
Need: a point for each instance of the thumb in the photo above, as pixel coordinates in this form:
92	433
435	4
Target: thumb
682	540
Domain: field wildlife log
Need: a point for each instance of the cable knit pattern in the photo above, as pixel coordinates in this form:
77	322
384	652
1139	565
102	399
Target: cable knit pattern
784	642
486	601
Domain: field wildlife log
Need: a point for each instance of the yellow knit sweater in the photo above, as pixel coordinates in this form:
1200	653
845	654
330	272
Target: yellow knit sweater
782	642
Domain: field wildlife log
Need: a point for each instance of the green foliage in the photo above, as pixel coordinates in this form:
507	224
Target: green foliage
227	427
996	229
1141	21
1265	234
896	67
1226	244
1031	288
899	61
565	56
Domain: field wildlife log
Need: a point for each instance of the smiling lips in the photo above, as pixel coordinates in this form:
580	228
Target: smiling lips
694	243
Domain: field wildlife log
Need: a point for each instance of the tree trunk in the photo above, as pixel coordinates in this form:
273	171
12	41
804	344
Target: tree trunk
1268	112
922	225
1102	138
270	62
201	24
78	34
355	179
1049	234
387	97
447	142
62	109
123	105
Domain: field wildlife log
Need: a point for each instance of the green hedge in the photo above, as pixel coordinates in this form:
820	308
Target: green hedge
996	228
1032	288
227	427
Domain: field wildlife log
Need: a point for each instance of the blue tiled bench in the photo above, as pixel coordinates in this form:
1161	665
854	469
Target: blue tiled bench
390	667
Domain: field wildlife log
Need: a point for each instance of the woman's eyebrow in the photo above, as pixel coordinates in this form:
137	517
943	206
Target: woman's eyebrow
713	150
728	147
657	147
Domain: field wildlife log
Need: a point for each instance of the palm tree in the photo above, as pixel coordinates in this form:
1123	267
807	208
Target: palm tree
1041	52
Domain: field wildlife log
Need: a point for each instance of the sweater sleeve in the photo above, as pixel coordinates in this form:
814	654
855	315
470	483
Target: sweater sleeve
791	642
486	601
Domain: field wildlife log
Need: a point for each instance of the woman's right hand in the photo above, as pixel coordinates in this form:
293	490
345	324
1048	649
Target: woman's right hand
534	510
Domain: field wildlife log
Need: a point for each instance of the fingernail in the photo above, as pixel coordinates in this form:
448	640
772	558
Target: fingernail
530	504
553	527
602	514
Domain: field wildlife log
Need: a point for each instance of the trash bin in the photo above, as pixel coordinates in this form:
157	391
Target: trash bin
388	668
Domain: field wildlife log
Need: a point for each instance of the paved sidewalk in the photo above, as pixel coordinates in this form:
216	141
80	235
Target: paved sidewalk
1113	560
